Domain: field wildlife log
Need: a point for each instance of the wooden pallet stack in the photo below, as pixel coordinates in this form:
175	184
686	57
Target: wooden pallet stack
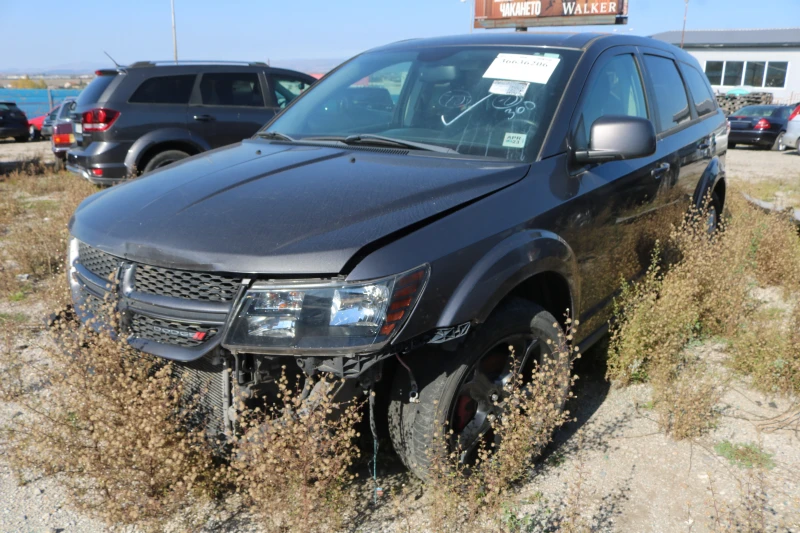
733	102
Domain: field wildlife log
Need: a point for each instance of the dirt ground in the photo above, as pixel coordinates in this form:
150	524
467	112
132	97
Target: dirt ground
631	476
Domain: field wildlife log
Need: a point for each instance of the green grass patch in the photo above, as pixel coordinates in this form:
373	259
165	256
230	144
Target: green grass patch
745	455
17	318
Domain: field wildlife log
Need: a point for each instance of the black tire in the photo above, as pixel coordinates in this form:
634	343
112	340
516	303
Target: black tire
33	133
714	214
21	139
779	145
731	146
164	158
443	376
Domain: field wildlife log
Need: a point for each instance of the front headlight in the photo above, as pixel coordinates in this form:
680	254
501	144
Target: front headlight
296	317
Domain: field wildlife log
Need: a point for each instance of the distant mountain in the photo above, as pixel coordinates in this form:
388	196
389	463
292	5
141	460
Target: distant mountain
82	67
321	66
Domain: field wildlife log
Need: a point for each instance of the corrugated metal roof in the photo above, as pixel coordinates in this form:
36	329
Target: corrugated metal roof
773	37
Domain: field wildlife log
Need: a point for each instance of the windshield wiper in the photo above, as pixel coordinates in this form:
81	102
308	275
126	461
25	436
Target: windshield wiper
381	140
369	138
275	136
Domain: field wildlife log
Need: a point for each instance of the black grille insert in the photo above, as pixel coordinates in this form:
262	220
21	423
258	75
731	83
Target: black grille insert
96	261
186	284
170	332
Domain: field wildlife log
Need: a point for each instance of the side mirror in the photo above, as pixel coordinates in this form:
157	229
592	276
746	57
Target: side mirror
619	137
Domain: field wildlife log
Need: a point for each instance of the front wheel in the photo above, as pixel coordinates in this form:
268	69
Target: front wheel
464	391
731	146
33	133
779	145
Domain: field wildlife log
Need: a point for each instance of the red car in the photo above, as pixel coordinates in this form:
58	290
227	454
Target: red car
36	124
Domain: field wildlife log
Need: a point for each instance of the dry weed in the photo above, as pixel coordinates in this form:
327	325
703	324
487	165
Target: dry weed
467	495
707	290
293	458
109	424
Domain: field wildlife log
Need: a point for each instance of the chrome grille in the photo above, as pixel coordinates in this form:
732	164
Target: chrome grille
170	332
186	284
96	261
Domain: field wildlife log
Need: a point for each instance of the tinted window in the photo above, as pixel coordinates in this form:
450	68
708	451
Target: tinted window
756	111
672	105
616	90
703	97
164	90
733	72
231	89
714	72
65	109
8	106
286	89
776	73
754	73
95	89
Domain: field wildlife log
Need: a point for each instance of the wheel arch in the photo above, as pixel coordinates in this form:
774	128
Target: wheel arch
536	265
712	180
154	142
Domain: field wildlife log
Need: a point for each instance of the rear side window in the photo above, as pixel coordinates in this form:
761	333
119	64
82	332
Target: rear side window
234	89
617	90
66	108
704	100
672	105
286	89
8	107
164	90
95	89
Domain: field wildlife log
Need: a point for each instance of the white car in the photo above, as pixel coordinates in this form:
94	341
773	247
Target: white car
792	129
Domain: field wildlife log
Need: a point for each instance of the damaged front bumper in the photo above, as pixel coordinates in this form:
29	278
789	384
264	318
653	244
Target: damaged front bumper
186	316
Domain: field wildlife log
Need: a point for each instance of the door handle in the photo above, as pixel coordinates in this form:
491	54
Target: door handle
660	170
203	118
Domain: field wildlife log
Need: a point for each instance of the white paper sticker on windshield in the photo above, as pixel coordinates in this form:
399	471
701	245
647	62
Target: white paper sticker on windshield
518	67
515	140
509	88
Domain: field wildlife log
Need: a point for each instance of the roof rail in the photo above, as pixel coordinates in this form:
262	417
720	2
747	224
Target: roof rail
139	64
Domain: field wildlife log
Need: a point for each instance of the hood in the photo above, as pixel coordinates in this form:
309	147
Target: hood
274	208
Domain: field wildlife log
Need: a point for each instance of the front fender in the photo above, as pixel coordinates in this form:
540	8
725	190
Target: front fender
711	176
150	139
504	267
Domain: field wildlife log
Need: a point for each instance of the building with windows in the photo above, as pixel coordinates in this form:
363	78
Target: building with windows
758	60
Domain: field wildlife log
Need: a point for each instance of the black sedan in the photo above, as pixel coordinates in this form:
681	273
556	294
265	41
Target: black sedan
760	125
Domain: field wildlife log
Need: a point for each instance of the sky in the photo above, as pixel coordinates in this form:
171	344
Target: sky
46	34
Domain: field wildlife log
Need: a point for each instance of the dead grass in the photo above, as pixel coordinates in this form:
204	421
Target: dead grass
472	497
35	211
112	426
708	291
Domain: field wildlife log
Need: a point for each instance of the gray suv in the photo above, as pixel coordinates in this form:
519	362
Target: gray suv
134	119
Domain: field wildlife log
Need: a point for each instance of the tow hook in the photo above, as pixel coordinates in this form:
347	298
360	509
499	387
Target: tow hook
413	394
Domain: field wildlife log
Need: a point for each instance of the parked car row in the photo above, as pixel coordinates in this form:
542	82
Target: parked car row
408	239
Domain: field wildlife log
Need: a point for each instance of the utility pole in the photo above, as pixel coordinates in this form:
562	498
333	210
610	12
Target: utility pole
685	12
174	35
471	5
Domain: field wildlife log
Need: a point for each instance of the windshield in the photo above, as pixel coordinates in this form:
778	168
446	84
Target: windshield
478	101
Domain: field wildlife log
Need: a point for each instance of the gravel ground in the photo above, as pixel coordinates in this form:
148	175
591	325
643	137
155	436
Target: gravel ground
632	477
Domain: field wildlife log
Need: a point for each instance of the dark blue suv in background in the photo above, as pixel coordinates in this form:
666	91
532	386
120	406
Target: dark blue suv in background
134	119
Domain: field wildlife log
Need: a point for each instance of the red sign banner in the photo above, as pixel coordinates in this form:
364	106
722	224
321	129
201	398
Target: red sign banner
524	14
